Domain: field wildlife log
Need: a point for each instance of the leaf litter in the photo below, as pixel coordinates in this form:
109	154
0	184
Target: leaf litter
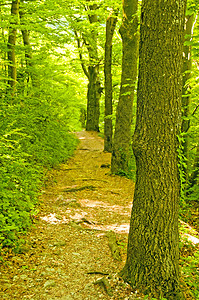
67	253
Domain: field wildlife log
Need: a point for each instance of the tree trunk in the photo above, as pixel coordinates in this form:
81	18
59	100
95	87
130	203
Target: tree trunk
122	136
93	97
152	264
94	89
186	91
12	70
108	127
28	49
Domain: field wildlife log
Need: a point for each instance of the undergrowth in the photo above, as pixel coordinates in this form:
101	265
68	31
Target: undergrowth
33	134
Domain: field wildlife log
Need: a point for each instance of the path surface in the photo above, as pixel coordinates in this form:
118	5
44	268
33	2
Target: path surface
68	244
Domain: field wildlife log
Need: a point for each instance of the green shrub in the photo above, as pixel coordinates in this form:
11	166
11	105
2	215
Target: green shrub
33	134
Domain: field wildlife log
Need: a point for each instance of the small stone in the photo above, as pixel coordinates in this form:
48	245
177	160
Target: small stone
50	270
49	283
60	244
15	278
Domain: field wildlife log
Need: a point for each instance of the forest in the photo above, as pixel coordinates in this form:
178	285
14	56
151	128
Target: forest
99	149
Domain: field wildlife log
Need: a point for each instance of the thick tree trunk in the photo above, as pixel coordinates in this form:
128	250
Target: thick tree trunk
108	127
153	245
186	91
12	70
94	90
93	97
122	135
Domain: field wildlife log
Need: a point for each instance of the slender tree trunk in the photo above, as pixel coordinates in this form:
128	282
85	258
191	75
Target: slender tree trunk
28	48
122	136
3	53
186	91
152	264
12	70
108	127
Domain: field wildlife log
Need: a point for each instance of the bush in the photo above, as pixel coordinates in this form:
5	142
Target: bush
33	135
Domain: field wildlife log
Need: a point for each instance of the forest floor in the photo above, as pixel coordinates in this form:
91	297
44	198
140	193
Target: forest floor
67	250
67	254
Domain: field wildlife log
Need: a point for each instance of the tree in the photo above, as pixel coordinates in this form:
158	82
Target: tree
88	35
108	127
153	244
186	91
122	135
26	41
12	70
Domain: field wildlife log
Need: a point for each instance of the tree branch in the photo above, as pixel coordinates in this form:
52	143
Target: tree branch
195	109
80	55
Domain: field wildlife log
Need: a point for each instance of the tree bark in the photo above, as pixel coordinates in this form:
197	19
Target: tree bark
12	70
108	127
122	135
93	97
186	91
92	72
28	49
152	264
94	89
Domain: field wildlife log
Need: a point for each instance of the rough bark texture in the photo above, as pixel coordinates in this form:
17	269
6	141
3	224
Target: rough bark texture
12	70
94	90
93	97
152	256
108	127
122	135
186	92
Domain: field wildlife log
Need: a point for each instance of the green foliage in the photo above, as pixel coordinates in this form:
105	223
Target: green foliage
33	135
19	182
36	123
49	142
190	273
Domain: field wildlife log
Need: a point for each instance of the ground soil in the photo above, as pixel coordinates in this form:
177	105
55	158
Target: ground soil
67	253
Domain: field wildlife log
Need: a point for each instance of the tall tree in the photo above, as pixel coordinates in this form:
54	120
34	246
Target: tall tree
26	41
108	126
89	38
122	135
94	90
186	91
153	244
12	70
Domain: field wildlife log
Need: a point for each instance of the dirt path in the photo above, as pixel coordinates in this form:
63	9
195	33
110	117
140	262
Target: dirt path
68	245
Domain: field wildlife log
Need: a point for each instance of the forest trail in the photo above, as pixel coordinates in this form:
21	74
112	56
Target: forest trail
67	250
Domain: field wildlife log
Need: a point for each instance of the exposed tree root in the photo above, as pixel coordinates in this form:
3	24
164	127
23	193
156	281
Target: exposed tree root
105	284
113	245
80	188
